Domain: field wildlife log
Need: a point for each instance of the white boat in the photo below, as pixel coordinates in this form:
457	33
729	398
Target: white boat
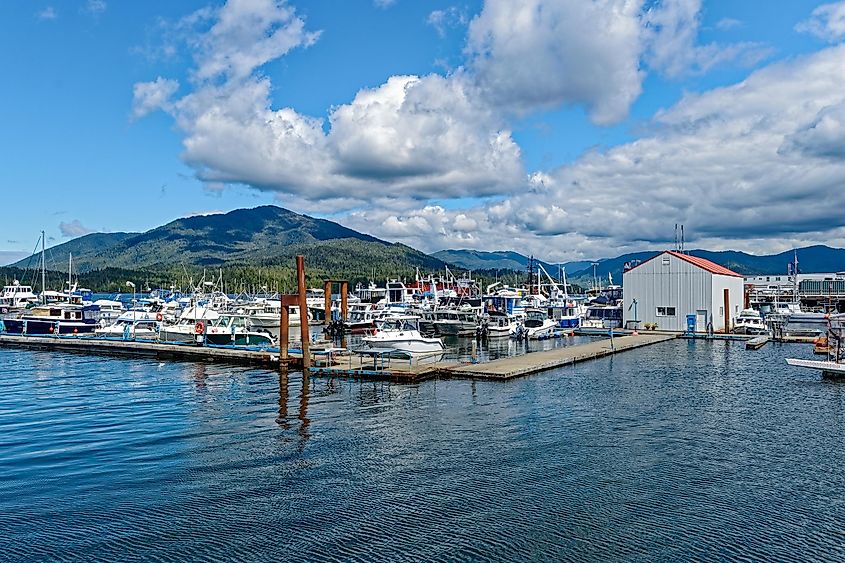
402	334
750	321
495	324
267	314
362	316
603	316
453	322
235	330
191	327
110	310
131	329
536	325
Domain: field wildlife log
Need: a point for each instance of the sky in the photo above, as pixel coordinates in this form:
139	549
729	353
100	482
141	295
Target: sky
567	129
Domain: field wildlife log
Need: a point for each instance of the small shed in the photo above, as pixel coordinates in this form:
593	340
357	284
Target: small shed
674	290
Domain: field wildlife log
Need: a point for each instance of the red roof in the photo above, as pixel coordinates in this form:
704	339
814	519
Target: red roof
702	263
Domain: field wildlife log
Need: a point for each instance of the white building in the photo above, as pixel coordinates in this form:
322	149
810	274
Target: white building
670	286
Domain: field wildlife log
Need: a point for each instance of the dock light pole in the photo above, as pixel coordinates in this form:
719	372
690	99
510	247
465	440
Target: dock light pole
132	285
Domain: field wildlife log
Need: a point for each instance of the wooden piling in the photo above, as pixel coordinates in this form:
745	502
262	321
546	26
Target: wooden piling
344	300
303	312
284	331
327	301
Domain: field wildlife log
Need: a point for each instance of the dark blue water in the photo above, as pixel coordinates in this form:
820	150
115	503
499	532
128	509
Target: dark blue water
680	451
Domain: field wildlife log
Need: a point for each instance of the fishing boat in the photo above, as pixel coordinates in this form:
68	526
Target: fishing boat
55	319
235	330
494	324
749	321
402	334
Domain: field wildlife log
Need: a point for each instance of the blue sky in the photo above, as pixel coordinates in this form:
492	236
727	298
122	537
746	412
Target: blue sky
488	149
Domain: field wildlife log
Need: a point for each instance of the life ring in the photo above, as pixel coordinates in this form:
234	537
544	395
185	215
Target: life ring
159	317
199	327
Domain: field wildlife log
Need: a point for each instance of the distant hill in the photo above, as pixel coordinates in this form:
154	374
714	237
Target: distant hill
267	235
811	259
499	260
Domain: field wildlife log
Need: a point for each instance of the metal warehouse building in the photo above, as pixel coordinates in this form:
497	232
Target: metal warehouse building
670	287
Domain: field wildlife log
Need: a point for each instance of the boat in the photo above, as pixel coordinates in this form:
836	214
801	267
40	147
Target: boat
16	297
452	322
128	328
749	321
190	329
362	317
235	330
267	314
834	365
55	319
603	316
110	310
536	325
494	324
402	334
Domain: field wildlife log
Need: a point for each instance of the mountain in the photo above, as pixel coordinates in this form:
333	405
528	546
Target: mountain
266	235
811	259
499	260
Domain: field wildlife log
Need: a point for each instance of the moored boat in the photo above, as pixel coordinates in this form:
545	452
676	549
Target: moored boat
402	334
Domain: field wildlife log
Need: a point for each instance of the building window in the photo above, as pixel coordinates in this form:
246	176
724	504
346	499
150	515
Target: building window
665	260
721	311
665	311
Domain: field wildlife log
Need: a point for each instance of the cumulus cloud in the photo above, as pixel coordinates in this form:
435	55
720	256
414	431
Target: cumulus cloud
74	229
826	22
757	165
671	32
151	96
580	53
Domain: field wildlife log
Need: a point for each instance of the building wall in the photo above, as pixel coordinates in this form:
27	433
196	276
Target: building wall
736	297
667	281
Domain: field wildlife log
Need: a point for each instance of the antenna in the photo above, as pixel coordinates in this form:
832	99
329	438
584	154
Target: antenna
676	247
682	239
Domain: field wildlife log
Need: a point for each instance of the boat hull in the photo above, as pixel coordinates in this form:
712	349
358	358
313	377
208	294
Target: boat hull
44	328
411	346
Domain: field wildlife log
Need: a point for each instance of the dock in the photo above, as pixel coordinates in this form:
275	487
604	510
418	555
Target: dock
534	362
757	342
150	349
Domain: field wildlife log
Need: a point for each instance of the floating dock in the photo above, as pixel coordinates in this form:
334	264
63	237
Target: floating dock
139	348
757	342
534	362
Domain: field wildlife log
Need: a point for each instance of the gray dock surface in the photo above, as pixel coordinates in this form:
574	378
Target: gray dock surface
516	366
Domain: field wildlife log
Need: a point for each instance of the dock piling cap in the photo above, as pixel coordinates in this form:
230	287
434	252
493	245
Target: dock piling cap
635	333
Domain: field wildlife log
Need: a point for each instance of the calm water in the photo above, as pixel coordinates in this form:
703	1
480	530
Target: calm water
684	450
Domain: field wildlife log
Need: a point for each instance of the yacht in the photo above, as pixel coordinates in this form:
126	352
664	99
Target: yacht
16	297
128	328
536	325
749	321
451	322
55	319
110	310
190	329
603	316
402	334
267	314
495	324
362	317
235	330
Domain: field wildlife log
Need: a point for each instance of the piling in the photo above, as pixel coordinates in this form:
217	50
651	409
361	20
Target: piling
303	312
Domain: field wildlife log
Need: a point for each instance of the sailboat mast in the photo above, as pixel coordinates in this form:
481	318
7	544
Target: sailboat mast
69	270
43	270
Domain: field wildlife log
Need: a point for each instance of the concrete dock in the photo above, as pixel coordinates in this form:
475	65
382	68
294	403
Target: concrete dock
517	366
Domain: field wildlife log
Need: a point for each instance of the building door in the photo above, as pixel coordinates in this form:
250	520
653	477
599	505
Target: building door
701	320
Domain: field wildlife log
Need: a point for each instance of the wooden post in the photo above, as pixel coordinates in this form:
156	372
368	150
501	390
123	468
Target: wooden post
727	297
303	312
284	332
327	301
344	300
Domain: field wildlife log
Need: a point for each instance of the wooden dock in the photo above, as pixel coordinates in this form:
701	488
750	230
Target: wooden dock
114	347
517	366
757	342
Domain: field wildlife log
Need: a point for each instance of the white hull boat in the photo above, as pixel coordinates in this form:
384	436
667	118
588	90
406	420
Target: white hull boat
402	334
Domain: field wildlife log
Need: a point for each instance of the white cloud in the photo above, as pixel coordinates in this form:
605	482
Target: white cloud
443	20
826	22
533	54
726	24
48	13
671	30
756	166
151	96
95	7
74	229
383	4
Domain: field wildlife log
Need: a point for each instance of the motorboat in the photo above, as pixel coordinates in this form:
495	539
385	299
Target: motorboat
16	297
190	329
453	322
267	314
535	326
110	310
55	319
235	330
749	321
603	316
128	328
494	324
402	334
362	317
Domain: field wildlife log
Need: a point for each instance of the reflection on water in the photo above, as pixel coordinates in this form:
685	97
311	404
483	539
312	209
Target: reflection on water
680	451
